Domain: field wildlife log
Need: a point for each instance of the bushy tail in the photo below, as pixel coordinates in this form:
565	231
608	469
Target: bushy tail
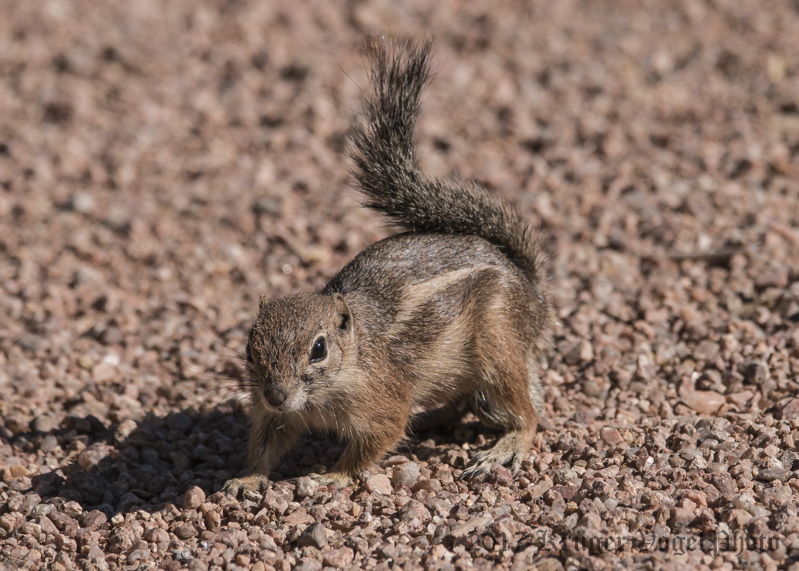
386	171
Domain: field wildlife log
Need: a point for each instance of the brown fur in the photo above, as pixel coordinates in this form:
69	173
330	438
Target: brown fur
452	313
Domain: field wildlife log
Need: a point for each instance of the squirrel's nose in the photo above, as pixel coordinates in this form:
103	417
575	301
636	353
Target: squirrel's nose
275	395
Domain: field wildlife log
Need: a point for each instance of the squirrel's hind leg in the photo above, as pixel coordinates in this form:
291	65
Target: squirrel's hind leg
509	398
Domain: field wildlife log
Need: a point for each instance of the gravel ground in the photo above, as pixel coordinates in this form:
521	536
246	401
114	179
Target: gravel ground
164	163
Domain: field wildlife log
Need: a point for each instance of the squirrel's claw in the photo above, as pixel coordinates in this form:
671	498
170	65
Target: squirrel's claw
505	452
478	468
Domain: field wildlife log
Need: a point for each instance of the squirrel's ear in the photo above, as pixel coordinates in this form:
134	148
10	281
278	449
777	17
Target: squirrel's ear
262	301
343	313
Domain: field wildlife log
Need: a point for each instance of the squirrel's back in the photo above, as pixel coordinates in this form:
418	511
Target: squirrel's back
387	174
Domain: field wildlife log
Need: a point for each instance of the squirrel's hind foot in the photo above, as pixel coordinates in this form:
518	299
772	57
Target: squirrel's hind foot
508	451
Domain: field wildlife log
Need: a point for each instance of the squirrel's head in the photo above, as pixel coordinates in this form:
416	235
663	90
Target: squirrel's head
296	349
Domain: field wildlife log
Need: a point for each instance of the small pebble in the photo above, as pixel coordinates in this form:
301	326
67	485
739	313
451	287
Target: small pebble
306	487
406	474
338	558
379	483
193	498
314	535
44	423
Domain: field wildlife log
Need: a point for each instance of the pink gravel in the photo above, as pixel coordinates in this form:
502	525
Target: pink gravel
162	165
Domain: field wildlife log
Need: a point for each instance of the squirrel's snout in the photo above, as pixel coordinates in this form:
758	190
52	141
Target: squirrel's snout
275	395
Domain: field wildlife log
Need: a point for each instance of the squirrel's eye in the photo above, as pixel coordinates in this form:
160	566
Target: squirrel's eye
319	350
249	354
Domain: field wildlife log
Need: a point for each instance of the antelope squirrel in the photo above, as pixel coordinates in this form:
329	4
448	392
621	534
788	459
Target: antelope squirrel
452	312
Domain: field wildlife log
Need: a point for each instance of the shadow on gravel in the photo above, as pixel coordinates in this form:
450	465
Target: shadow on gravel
149	464
146	464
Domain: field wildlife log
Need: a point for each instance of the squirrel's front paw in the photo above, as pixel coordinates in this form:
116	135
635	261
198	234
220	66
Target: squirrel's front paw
338	479
256	484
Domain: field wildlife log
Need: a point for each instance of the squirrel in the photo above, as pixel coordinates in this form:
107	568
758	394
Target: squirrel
453	312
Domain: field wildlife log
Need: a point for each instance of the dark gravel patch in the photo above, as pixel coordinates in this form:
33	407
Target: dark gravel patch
164	164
